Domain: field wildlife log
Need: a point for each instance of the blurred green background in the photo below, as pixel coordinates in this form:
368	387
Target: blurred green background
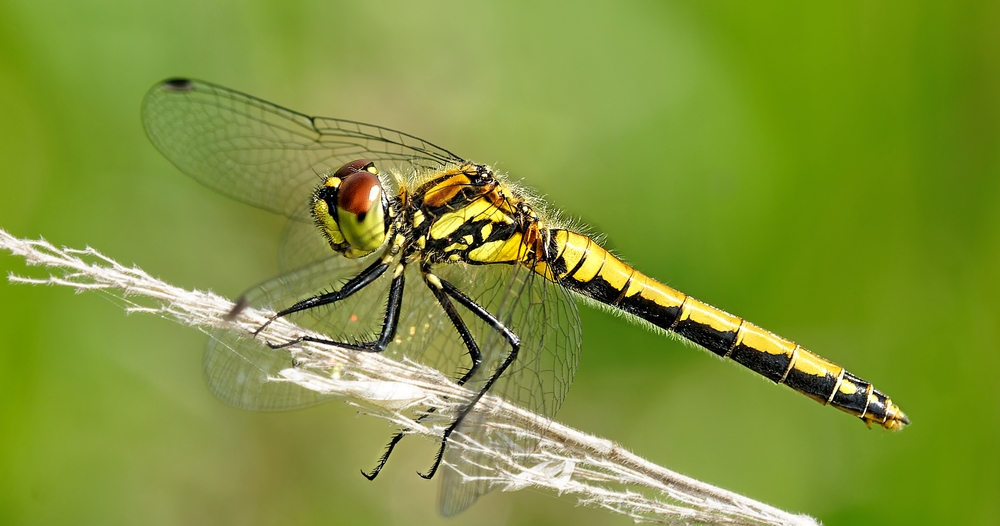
830	171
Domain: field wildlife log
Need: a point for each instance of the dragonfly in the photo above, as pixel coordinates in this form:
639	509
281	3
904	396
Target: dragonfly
399	246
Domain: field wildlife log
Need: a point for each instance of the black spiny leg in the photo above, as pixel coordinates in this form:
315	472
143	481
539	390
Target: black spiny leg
474	354
515	346
358	282
389	324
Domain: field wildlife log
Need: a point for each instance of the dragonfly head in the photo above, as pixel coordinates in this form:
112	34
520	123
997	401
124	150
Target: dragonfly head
351	209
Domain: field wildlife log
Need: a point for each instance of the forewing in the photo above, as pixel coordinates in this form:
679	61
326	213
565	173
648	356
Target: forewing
545	318
265	155
241	370
302	244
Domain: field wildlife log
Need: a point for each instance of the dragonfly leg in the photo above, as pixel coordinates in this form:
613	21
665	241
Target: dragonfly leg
474	354
385	456
389	324
362	280
456	319
515	346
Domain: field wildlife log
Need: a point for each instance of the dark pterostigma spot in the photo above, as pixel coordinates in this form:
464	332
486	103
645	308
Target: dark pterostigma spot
178	85
238	307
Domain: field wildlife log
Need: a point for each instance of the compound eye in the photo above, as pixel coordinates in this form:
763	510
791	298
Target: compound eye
361	208
353	167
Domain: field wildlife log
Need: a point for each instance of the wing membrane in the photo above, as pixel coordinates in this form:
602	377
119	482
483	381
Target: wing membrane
239	368
263	154
545	317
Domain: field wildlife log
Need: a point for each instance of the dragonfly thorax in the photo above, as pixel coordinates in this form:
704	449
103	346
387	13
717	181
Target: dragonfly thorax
351	209
465	213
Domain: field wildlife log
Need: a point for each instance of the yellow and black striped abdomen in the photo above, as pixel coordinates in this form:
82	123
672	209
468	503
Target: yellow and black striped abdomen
580	264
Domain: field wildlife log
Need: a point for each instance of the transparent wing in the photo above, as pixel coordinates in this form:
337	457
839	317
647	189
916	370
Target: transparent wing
540	312
263	154
545	317
302	244
239	368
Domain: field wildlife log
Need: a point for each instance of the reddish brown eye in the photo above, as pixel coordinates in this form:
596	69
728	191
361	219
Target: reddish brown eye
359	192
353	167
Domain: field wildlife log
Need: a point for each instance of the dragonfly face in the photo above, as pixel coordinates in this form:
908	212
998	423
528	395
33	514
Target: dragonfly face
496	274
351	209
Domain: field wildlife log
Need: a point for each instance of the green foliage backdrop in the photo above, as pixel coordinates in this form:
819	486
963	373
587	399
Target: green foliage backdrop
830	171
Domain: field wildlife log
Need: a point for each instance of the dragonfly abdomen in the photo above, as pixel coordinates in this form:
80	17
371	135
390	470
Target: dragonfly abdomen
580	264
